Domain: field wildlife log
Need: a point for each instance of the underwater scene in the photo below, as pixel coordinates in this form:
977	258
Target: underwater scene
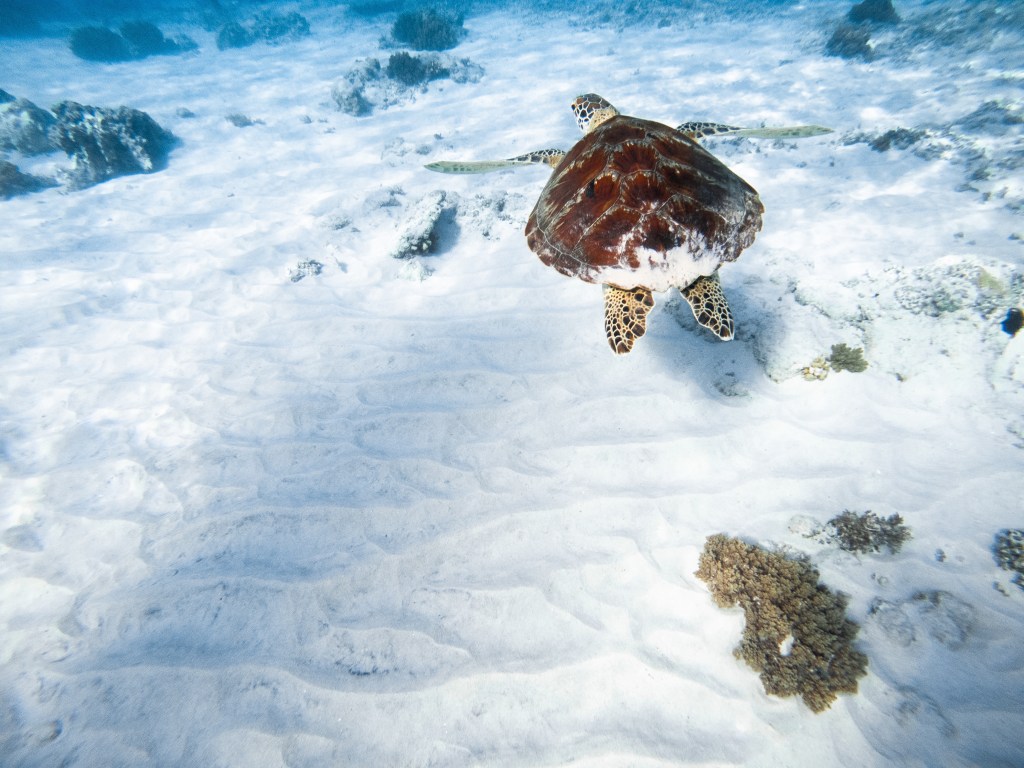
401	383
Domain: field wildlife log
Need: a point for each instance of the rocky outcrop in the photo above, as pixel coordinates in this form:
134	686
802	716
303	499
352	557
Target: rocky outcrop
106	143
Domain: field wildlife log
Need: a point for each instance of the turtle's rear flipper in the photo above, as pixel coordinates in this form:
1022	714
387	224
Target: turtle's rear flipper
550	157
625	316
710	307
698	131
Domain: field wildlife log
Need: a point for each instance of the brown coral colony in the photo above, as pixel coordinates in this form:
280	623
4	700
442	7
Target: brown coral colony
782	599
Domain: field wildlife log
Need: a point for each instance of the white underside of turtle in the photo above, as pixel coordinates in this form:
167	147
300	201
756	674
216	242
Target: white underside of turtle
658	272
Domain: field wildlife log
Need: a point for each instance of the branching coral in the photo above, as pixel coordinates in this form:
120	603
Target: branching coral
797	634
845	358
867	532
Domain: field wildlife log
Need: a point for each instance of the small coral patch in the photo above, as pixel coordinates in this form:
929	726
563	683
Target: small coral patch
844	358
1008	550
797	634
867	532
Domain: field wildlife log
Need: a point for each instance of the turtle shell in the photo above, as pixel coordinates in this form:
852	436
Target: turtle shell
638	204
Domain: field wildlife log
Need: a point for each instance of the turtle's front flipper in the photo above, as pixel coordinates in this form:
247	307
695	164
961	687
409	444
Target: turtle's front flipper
698	131
550	157
625	316
709	306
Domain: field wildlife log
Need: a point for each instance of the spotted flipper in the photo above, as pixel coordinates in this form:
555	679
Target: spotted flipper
698	131
550	157
709	306
625	316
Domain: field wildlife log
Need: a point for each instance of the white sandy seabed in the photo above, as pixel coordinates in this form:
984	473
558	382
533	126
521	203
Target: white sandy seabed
410	514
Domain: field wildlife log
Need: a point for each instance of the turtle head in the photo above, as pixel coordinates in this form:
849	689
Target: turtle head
591	110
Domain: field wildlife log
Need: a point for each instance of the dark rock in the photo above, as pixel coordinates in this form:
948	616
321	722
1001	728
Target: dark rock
99	44
13	182
145	39
850	41
1013	322
428	30
5	96
137	40
107	143
24	127
877	11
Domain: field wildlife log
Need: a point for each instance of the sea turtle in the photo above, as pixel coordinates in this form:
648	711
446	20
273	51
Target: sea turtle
640	207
